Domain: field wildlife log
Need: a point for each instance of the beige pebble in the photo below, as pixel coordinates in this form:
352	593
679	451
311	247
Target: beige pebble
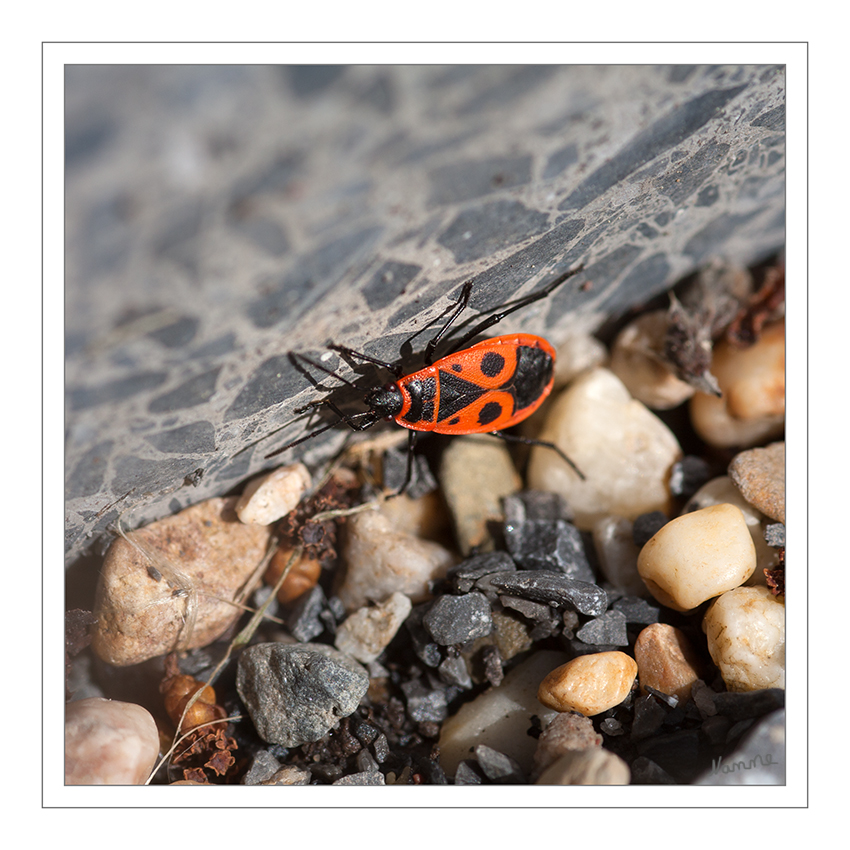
367	632
624	450
476	473
637	360
268	498
752	380
666	661
587	767
589	684
745	629
576	354
697	556
109	743
760	476
567	732
501	716
381	560
169	588
722	490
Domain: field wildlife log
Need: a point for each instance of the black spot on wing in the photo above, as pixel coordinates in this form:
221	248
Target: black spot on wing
489	413
456	394
492	364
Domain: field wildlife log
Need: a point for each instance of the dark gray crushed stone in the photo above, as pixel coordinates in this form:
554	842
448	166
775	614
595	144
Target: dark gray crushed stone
553	588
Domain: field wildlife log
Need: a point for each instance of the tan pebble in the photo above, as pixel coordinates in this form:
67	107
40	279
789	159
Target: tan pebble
752	381
109	743
587	767
268	498
565	733
722	490
637	360
697	556
578	353
745	629
425	517
476	473
303	575
624	450
381	560
760	476
589	684
666	661
169	587
367	632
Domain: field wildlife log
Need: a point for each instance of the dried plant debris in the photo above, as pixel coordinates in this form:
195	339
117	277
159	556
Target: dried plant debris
766	305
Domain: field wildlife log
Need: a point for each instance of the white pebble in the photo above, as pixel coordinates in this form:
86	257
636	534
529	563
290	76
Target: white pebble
500	717
589	684
109	743
697	556
577	354
723	490
268	498
752	380
623	449
746	638
636	359
367	632
381	560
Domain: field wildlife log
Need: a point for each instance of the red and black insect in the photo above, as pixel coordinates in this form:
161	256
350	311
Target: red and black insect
484	388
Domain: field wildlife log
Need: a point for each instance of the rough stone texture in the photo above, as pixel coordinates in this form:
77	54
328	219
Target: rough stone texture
666	661
219	216
586	767
760	476
458	619
554	589
169	588
566	733
367	632
109	743
268	498
295	693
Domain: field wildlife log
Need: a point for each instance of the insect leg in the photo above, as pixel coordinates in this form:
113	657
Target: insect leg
523	302
395	368
369	419
455	311
411	442
528	441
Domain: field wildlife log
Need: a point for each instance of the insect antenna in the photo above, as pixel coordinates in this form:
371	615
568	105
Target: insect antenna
369	419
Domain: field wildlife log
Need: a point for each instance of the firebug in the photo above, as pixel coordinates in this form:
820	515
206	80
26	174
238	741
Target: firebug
483	387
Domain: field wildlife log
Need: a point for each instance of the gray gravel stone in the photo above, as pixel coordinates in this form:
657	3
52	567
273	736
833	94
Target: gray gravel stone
464	576
304	619
424	703
498	767
637	611
609	629
295	693
554	589
458	619
368	777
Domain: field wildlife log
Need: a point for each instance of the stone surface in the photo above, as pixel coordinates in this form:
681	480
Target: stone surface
760	476
586	767
666	661
697	556
465	575
382	560
589	684
458	619
752	380
307	203
109	743
617	554
476	473
566	733
296	693
500	717
554	589
637	359
608	629
499	768
169	586
745	629
367	632
269	497
623	449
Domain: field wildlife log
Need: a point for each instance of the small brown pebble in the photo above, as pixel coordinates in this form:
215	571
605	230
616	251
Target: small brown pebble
589	684
760	476
566	732
666	661
302	577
